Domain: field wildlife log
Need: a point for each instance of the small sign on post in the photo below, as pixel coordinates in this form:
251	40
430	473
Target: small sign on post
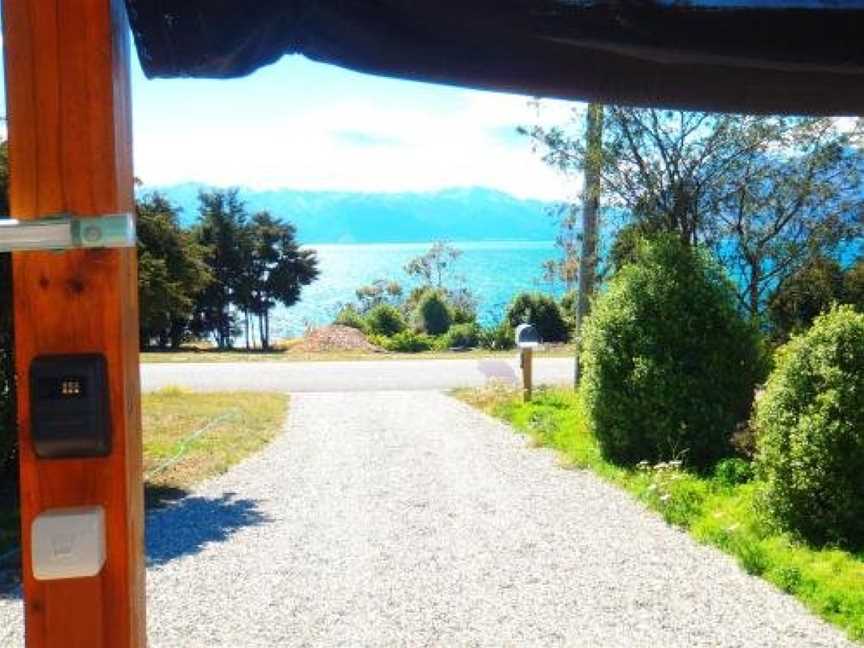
527	340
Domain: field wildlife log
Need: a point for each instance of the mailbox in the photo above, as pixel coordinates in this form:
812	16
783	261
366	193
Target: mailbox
69	415
527	337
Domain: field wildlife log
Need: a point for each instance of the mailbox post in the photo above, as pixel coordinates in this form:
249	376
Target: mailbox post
527	340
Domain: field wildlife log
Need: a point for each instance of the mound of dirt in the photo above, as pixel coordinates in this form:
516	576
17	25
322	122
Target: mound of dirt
334	338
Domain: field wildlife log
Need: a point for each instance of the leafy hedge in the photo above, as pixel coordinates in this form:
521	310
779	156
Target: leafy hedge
384	319
543	312
810	431
669	366
433	314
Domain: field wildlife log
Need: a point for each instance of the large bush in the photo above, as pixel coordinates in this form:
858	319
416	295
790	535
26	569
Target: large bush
405	342
807	293
543	312
461	336
498	337
810	431
433	314
350	316
669	366
384	319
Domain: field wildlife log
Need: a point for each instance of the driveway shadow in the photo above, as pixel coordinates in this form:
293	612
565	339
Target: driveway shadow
177	525
186	526
497	370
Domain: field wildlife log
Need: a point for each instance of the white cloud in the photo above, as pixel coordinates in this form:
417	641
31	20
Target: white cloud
392	146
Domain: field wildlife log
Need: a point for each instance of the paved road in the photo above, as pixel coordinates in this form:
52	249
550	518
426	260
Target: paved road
408	519
360	375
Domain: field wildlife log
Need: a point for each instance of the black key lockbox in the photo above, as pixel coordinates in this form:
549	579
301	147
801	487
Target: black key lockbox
69	406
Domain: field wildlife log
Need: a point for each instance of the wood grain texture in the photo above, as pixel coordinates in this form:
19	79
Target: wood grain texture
68	101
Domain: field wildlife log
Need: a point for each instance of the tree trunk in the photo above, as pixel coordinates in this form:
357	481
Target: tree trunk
590	210
753	289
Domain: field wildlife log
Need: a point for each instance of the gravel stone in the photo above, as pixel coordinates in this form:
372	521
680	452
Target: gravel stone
409	519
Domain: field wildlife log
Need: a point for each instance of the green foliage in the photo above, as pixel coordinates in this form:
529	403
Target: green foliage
463	336
669	366
435	266
543	312
171	273
810	425
827	581
733	471
463	304
432	314
378	292
807	293
384	319
349	316
498	337
568	304
256	264
407	341
853	286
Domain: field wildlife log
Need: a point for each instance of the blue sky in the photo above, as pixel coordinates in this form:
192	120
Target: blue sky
305	125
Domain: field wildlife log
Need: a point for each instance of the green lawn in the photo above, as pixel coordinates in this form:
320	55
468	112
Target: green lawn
230	426
830	582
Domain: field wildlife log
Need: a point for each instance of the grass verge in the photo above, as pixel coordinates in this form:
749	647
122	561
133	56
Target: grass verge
229	425
189	437
830	582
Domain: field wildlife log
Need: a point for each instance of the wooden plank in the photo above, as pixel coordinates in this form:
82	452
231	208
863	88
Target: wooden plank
68	101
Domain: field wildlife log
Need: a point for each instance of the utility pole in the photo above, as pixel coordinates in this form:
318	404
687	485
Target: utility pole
592	168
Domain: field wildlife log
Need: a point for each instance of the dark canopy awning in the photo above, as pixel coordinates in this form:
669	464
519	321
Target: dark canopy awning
799	56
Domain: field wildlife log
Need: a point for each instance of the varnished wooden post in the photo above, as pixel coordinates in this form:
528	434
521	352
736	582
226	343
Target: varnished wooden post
526	355
70	150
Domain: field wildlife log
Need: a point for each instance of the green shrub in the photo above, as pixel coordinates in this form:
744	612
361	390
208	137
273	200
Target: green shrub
384	319
433	314
807	293
461	335
463	305
349	316
669	366
568	306
810	432
498	337
733	471
406	341
543	312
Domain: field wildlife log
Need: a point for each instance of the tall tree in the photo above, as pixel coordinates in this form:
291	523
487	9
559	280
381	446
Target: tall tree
787	203
593	168
277	268
766	193
435	266
171	273
220	230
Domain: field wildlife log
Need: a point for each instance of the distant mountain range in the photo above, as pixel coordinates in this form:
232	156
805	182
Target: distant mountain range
471	214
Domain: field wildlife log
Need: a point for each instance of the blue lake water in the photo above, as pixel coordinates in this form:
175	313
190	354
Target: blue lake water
494	270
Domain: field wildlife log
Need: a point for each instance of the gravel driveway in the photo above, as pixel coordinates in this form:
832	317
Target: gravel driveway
408	519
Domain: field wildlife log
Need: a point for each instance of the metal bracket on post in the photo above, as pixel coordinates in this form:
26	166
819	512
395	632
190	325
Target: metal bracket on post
68	232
